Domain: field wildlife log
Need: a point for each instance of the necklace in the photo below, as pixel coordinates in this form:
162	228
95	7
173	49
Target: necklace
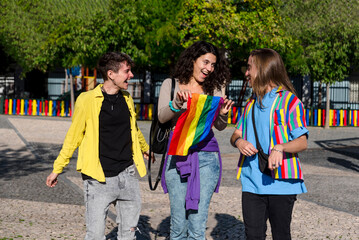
109	98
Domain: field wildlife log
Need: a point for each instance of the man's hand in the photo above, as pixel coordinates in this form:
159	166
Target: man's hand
51	180
147	156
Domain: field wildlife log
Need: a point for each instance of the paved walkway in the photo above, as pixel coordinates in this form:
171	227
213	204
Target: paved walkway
30	210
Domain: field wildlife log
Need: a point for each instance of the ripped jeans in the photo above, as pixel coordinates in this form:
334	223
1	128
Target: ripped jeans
124	191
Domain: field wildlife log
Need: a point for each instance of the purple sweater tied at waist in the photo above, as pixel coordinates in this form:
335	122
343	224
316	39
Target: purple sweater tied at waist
188	166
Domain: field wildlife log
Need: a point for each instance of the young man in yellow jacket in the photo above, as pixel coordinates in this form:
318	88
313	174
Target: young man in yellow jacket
110	145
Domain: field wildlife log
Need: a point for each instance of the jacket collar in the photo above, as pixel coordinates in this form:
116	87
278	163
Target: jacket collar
98	91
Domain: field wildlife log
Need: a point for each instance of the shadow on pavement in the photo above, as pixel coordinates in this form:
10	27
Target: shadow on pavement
146	230
337	143
342	147
344	163
228	227
19	162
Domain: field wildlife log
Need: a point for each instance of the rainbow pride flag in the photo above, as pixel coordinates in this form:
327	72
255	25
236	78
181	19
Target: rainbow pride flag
195	123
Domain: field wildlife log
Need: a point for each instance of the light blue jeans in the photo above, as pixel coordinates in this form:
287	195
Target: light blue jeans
191	224
124	191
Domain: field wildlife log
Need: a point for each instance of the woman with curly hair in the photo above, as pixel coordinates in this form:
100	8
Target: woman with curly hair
200	69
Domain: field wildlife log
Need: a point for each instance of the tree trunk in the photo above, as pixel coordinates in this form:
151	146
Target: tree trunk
66	81
72	94
327	107
320	95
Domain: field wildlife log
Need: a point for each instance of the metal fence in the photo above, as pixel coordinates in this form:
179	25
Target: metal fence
7	86
343	95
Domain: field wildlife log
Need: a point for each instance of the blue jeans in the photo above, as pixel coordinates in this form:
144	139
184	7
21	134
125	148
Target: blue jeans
191	224
124	191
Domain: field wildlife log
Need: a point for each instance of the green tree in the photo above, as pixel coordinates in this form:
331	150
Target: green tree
238	27
329	34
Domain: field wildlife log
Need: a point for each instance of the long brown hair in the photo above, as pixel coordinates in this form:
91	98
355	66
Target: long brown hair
219	78
270	71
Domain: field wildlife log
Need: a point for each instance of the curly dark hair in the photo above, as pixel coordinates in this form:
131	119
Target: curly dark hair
112	61
219	78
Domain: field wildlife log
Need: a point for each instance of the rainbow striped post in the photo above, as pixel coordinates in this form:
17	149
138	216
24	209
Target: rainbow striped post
22	106
195	123
57	109
345	118
234	114
141	111
10	106
62	114
138	109
18	106
2	104
229	116
37	109
50	108
46	108
354	119
54	104
26	107
147	111
14	107
6	106
150	111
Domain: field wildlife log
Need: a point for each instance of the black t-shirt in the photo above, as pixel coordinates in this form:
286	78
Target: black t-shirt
115	143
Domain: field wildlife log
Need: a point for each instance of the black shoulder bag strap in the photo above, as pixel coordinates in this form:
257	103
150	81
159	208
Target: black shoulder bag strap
158	179
262	157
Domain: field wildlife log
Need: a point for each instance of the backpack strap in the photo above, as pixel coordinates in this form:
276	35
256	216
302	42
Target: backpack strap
173	88
158	178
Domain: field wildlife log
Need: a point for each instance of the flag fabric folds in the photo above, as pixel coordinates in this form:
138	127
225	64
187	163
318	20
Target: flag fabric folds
195	123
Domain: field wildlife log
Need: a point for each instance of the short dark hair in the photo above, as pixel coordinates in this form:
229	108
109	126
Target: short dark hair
219	78
112	61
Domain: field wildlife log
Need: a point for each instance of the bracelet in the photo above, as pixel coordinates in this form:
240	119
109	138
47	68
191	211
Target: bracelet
235	141
174	109
273	149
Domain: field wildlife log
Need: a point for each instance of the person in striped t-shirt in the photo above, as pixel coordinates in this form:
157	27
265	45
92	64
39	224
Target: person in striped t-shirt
282	134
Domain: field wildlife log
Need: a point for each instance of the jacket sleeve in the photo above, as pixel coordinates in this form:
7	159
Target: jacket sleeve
164	111
73	137
141	139
296	122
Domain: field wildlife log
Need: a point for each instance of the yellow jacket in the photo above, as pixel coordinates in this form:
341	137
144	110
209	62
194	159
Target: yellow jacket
84	133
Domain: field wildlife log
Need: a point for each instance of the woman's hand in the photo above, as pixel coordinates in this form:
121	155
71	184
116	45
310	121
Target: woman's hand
276	157
227	104
182	96
246	148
